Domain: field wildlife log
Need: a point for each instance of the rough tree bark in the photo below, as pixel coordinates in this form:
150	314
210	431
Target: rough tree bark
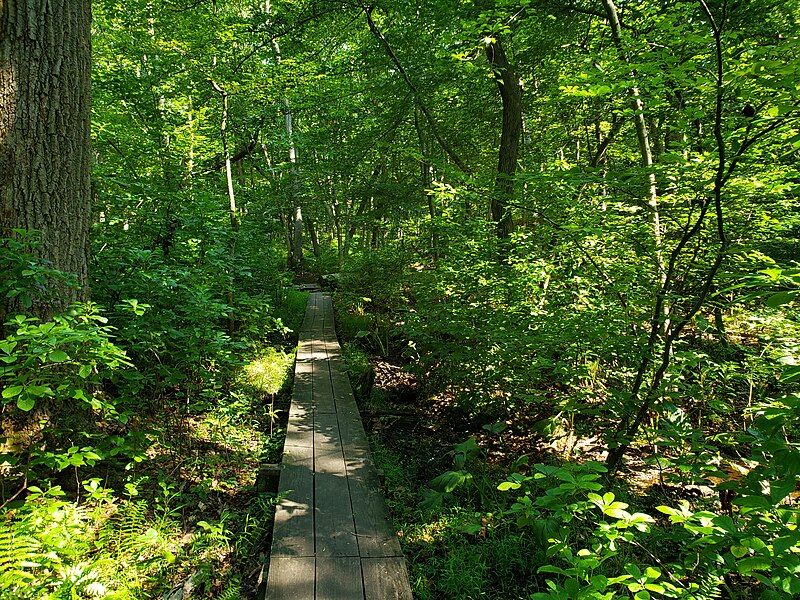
45	99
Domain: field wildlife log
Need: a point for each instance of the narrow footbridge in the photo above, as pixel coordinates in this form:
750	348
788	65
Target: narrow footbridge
331	538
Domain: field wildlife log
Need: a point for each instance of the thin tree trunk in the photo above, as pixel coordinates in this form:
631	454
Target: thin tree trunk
297	238
642	135
446	147
712	203
223	133
426	179
511	93
45	156
312	234
234	215
296	254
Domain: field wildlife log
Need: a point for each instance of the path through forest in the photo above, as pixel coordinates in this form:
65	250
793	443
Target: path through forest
331	537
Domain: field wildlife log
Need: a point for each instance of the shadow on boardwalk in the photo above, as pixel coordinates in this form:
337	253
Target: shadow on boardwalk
331	537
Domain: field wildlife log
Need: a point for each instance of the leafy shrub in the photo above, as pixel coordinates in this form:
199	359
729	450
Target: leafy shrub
25	278
52	375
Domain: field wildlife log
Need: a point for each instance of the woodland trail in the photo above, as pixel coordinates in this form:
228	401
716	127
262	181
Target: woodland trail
331	537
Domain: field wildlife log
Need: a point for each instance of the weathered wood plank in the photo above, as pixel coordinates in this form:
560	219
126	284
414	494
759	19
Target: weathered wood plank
293	532
339	579
323	392
291	578
326	433
302	393
385	579
331	539
355	445
334	529
300	431
375	537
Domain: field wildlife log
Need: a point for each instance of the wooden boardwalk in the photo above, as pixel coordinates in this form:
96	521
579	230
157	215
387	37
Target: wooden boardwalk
331	539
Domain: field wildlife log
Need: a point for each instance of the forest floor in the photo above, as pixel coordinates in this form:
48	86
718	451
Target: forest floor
455	548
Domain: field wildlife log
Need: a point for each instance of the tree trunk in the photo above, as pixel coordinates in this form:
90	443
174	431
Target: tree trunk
645	147
45	160
426	180
312	234
511	94
297	239
223	134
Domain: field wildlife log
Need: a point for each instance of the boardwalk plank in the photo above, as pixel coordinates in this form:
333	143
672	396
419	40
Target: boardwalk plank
331	539
291	578
339	579
385	579
334	531
293	533
300	430
375	538
327	437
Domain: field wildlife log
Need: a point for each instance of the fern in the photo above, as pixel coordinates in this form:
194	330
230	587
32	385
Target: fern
233	591
121	533
19	554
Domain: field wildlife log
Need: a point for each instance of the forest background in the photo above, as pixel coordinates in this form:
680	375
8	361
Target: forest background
571	226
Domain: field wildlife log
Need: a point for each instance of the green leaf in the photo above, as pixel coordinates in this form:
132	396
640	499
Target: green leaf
25	403
447	482
552	569
58	356
652	573
782	544
790	373
633	570
738	551
12	391
780	299
753	563
778	490
508	485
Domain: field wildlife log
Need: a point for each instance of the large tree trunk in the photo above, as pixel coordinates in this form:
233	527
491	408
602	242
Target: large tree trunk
511	93
45	99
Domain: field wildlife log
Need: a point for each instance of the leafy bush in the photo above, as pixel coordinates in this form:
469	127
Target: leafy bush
52	376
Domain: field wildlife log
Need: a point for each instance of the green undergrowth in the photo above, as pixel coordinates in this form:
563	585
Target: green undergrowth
494	473
453	549
184	515
133	436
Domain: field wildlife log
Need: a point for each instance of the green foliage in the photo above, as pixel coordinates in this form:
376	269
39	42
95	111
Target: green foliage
59	361
52	375
57	549
269	372
371	295
649	309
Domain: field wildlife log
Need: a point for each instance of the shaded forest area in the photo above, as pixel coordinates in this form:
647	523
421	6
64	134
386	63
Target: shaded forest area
563	242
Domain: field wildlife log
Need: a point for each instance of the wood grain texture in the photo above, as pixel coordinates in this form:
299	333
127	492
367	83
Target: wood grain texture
385	579
293	531
291	578
339	579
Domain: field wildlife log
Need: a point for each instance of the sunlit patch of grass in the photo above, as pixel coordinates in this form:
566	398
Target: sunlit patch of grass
269	372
